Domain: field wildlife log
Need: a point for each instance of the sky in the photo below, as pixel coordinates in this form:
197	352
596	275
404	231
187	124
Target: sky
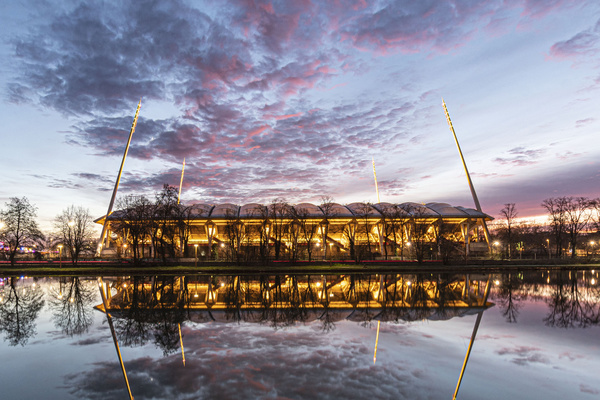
293	99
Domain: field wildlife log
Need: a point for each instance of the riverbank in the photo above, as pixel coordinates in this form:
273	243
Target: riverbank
105	268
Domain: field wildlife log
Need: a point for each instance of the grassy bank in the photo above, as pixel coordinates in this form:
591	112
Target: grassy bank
105	268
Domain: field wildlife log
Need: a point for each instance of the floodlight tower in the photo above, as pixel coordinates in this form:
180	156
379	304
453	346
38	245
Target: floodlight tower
114	195
475	199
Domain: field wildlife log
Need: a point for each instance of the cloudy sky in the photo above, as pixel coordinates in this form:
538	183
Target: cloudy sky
292	99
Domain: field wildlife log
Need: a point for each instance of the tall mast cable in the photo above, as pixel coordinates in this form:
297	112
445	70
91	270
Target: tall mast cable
114	195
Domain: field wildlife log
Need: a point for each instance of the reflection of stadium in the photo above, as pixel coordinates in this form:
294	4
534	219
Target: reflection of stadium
303	298
303	231
141	305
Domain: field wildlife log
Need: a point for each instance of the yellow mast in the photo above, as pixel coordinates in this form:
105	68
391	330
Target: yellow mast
375	176
378	322
114	195
471	187
181	180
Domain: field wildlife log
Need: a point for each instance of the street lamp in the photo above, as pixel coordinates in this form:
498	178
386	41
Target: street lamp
210	232
548	243
196	255
60	246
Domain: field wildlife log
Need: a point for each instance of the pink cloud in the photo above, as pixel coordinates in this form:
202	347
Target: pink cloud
281	117
583	43
257	131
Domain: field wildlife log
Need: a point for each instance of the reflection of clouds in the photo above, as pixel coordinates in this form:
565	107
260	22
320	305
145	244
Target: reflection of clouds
248	361
494	337
524	355
89	341
571	356
588	389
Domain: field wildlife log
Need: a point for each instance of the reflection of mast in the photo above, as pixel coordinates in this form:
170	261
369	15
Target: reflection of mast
475	199
378	202
475	328
181	283
376	342
181	341
181	180
112	200
114	335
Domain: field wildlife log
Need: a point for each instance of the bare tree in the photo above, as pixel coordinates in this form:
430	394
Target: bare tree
18	226
556	207
135	223
568	217
74	229
165	227
293	234
278	214
509	213
234	232
419	227
307	228
365	217
185	215
595	207
327	207
577	215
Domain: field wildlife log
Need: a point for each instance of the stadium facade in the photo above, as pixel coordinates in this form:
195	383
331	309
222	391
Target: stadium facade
279	231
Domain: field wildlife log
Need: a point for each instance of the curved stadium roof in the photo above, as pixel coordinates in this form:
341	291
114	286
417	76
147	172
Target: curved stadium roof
336	210
429	210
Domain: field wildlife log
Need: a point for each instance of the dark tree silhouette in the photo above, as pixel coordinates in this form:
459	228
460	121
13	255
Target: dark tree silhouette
74	230
18	227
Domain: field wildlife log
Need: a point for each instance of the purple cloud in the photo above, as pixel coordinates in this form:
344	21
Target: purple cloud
583	43
524	355
520	156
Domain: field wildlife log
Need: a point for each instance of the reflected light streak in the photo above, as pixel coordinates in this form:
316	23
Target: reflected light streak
376	342
114	336
181	342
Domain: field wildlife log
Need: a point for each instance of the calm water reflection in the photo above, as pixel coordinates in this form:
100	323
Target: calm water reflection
302	337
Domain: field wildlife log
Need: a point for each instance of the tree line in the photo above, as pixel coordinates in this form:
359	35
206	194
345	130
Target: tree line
73	231
572	222
286	232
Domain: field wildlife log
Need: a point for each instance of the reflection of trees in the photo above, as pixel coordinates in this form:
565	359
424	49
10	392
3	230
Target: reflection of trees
156	307
153	308
71	306
509	295
571	305
133	330
18	312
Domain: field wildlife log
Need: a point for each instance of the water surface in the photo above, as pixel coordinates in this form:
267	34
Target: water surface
302	337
